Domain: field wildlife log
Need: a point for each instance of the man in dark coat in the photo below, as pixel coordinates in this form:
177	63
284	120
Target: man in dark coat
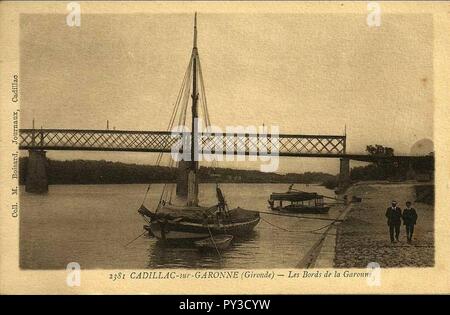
409	220
394	216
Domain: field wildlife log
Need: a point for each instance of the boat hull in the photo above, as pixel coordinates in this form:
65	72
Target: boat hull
304	210
192	231
174	223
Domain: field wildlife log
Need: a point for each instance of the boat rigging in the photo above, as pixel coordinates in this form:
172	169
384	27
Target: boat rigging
191	221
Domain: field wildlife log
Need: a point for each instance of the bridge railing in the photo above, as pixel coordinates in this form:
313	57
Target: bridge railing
162	141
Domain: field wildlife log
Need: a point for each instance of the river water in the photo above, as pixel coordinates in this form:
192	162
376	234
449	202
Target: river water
91	224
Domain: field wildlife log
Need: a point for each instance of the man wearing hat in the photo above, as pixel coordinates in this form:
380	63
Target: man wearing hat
409	220
394	220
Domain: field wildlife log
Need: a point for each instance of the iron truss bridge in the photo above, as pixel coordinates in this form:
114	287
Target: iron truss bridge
328	146
161	141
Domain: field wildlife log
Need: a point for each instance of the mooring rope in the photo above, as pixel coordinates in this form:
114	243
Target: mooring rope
296	216
299	231
279	227
135	239
325	226
214	243
181	99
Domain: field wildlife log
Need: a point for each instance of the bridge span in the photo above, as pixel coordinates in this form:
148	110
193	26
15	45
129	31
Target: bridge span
38	141
166	141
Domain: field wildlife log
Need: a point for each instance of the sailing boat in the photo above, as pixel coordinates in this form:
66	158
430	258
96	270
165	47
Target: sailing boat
191	221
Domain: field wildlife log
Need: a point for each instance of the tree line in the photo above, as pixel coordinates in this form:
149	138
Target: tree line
107	172
388	169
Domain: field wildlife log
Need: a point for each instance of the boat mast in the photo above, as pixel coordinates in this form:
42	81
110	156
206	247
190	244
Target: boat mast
192	177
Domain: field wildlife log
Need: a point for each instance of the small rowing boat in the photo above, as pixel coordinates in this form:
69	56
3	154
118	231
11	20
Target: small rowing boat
220	241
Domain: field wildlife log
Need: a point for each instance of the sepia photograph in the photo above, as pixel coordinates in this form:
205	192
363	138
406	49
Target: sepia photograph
227	143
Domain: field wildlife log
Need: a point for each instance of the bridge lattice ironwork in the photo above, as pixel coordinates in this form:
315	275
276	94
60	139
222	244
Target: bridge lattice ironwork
161	141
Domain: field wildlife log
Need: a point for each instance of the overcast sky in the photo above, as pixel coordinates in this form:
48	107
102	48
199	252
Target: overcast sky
307	74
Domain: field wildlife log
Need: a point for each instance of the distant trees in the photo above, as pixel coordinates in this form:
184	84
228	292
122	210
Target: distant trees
331	183
379	150
101	172
107	172
369	172
380	170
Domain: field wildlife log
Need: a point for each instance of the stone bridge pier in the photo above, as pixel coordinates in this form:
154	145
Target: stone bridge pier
182	178
344	175
36	180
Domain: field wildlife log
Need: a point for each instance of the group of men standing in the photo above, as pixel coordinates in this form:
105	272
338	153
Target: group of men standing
395	216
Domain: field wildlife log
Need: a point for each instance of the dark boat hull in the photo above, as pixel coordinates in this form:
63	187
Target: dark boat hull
304	210
300	202
237	222
191	231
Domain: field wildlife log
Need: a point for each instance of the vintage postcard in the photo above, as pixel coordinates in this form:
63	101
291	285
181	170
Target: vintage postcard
224	147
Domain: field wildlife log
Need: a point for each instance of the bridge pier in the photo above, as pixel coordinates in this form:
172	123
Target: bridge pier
344	174
182	179
36	181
